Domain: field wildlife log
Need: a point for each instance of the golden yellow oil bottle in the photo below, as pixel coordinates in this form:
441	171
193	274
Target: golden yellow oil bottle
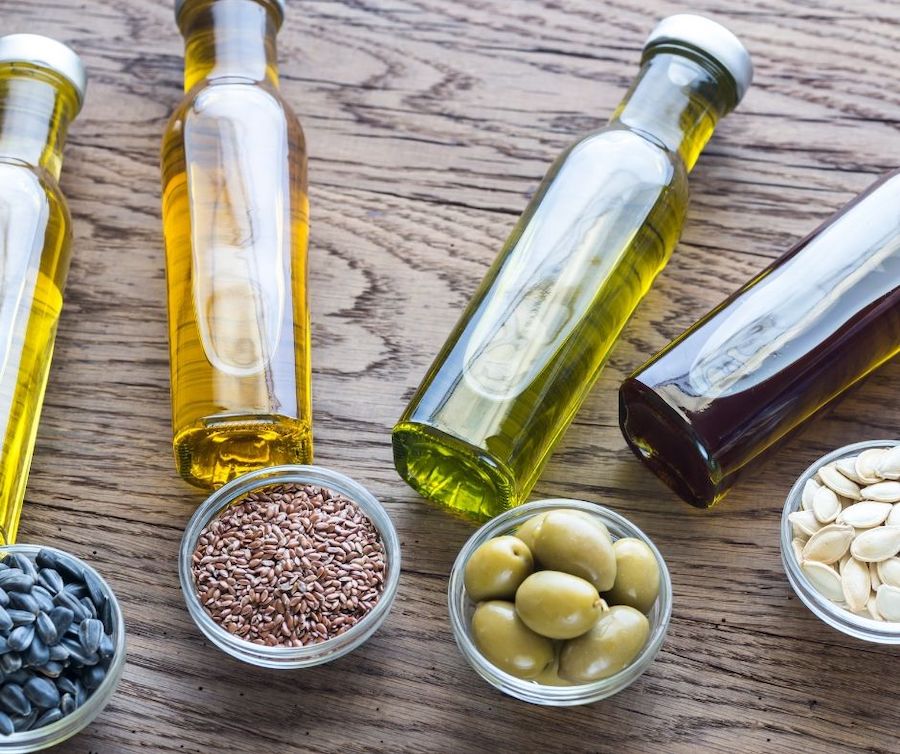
598	230
42	85
235	215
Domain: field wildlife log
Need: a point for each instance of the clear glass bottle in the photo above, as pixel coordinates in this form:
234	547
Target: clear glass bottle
714	403
598	230
42	86
235	216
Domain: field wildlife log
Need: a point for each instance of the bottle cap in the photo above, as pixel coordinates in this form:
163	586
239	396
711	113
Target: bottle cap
179	5
45	53
710	38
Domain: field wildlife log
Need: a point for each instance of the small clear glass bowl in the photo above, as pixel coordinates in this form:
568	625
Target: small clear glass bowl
879	632
462	608
68	726
312	654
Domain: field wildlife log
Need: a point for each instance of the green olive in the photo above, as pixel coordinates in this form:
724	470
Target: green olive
610	646
637	575
505	641
557	604
528	531
496	568
550	675
570	541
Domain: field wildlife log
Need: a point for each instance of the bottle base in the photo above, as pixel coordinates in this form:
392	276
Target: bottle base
660	438
218	449
460	477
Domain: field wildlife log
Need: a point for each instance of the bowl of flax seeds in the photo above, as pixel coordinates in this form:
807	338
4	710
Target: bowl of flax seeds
290	566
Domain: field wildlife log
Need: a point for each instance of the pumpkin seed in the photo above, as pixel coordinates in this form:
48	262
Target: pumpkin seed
883	492
867	465
889	571
888	466
865	515
824	578
829	544
847	466
878	544
797	546
856	584
893	518
872	609
804	523
826	505
809	490
833	479
874	578
887	602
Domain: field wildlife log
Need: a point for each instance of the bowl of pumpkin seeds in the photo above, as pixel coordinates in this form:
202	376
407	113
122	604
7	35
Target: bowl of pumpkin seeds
840	540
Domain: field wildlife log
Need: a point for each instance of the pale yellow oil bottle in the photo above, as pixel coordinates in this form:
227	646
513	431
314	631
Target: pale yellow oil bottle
600	227
235	214
42	85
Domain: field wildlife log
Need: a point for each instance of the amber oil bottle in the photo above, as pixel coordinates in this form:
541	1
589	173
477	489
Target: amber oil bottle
235	215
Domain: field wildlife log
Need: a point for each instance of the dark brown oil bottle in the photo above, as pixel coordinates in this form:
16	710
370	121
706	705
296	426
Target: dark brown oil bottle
717	400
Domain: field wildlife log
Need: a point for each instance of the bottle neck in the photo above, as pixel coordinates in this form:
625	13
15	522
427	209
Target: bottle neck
677	100
36	108
230	39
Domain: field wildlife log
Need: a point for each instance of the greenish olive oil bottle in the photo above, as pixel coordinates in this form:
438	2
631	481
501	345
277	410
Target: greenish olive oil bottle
600	227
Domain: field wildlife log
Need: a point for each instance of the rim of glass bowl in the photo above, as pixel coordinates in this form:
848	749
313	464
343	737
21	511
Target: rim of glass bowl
313	654
529	691
68	726
830	613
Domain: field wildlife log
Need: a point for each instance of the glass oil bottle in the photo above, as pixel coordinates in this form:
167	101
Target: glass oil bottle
235	216
42	86
600	227
724	395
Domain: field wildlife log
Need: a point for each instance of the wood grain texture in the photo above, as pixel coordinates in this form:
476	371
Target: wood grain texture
429	122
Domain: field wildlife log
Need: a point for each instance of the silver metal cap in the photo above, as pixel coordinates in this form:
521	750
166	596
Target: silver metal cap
179	4
45	53
708	37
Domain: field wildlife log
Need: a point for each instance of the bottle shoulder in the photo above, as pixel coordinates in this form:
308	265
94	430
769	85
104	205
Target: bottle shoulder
26	185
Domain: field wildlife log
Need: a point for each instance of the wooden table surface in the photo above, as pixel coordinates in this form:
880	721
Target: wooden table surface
429	122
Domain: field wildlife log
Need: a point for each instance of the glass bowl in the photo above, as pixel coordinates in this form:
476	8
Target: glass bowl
879	632
461	609
68	726
312	654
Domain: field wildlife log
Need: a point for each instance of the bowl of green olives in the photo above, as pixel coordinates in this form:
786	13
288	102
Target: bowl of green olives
560	602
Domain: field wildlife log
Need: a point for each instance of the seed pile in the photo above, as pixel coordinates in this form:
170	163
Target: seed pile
847	533
289	565
56	644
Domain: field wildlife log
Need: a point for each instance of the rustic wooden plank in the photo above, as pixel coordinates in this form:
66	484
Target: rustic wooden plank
429	123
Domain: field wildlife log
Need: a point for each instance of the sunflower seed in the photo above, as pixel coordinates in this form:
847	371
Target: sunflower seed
888	464
23	601
20	638
6	725
867	464
826	506
42	692
64	599
90	634
6	621
889	571
865	515
887	602
809	490
43	598
804	523
65	685
874	545
62	618
107	648
58	653
13	699
13	579
10	662
94	589
824	578
883	492
50	580
37	654
46	629
21	617
24	722
855	583
23	563
4	598
829	544
833	479
93	676
51	669
50	716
